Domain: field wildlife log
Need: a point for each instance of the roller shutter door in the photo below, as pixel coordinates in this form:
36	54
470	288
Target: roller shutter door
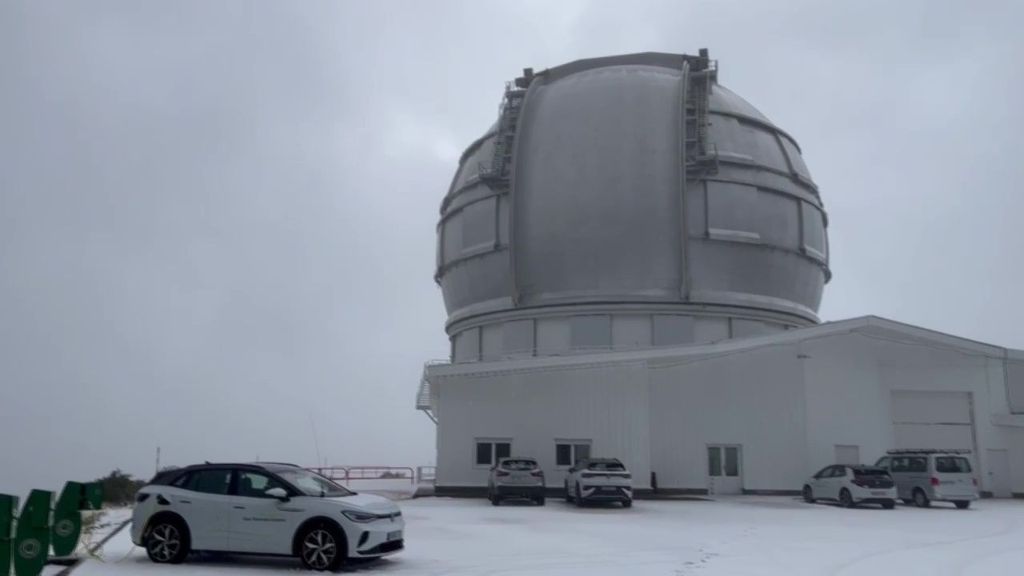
932	419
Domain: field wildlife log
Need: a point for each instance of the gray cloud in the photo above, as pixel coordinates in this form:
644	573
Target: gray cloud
217	219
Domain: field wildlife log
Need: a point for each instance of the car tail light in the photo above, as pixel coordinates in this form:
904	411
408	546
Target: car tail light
975	480
537	473
501	474
860	482
141	497
627	476
934	481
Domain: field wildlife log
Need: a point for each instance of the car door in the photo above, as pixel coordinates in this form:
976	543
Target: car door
204	502
261	523
818	482
833	479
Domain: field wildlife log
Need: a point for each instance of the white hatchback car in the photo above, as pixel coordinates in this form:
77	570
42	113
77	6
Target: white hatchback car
599	480
852	485
273	509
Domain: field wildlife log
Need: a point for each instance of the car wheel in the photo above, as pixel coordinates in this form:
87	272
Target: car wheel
322	547
963	504
168	541
808	495
627	503
921	499
889	505
845	500
495	501
568	497
579	496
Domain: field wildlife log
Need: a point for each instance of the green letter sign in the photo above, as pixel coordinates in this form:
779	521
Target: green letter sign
33	534
8	508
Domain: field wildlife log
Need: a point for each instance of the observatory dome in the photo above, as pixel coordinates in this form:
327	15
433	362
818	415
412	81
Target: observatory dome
623	203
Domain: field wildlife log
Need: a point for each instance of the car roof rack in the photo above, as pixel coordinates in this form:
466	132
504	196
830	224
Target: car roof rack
928	451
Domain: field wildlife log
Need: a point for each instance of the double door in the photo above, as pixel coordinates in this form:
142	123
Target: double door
725	469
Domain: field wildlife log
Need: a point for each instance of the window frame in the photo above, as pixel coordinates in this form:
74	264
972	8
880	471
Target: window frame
493	451
574	456
187	482
236	483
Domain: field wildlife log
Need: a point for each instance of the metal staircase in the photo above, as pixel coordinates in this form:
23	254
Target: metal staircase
700	156
498	172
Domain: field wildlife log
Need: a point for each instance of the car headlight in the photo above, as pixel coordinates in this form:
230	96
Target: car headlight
356	516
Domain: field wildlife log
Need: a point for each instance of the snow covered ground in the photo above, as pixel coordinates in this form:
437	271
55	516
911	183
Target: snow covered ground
737	536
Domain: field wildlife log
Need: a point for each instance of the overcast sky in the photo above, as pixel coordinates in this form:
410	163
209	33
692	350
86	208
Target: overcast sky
217	218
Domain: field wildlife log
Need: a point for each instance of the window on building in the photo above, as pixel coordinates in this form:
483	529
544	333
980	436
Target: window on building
489	451
568	452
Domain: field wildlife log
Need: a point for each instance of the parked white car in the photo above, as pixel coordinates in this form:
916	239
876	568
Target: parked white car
599	480
852	485
516	478
274	509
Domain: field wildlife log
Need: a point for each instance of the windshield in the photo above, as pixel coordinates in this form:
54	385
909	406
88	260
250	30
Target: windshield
869	472
519	465
952	465
312	484
606	466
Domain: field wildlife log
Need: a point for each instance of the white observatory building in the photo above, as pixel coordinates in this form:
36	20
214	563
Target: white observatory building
632	259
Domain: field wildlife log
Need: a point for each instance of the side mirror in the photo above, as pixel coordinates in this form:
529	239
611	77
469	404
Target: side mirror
278	493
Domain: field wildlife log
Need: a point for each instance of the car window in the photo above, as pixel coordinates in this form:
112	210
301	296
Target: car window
917	464
312	484
606	466
861	472
255	485
824	472
883	462
839	471
216	481
519	464
952	465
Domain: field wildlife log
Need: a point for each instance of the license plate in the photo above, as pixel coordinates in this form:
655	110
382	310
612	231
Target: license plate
608	490
878	493
396	535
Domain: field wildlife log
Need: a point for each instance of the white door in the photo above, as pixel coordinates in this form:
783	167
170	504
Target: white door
205	505
260	523
999	473
847	454
724	470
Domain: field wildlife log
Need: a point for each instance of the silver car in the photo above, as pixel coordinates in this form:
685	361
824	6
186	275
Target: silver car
926	476
516	478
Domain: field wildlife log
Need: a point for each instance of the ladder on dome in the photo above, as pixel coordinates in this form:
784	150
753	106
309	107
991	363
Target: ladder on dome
498	172
700	156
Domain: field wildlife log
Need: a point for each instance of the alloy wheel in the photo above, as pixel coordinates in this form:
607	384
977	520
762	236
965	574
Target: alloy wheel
164	542
319	549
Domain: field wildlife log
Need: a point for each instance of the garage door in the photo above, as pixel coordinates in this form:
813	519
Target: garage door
932	419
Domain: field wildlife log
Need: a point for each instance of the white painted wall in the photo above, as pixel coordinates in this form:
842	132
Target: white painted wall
788	405
752	398
606	404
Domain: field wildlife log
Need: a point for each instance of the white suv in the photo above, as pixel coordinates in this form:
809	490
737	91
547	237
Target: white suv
274	509
599	480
